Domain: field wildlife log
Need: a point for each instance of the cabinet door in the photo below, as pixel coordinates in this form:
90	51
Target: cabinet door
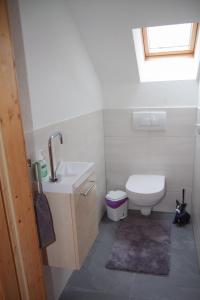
61	253
86	225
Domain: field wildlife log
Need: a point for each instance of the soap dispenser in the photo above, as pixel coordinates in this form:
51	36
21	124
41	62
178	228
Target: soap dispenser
43	169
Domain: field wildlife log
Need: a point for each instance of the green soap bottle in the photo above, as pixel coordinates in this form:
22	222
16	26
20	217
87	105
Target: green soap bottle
43	169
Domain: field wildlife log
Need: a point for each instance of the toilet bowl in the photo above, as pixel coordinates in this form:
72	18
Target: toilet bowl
145	191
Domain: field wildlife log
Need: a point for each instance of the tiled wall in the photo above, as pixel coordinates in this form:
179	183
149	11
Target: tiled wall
168	153
196	190
83	141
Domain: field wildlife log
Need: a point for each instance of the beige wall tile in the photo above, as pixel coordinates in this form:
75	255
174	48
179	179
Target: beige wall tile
180	122
196	191
169	153
83	141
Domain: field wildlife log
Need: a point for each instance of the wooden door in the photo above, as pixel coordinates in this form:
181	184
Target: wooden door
9	287
14	178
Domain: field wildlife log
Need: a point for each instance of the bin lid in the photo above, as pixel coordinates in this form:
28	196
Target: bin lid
116	195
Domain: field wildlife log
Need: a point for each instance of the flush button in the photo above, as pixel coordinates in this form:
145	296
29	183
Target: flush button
149	120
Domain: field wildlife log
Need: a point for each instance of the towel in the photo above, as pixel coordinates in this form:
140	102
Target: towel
44	220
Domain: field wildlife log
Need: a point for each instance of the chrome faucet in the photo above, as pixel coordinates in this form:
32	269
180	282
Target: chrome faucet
53	177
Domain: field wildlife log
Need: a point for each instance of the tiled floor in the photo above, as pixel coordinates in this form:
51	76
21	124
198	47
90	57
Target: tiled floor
95	282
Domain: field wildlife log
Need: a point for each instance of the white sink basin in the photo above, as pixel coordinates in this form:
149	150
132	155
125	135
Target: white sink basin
71	174
72	168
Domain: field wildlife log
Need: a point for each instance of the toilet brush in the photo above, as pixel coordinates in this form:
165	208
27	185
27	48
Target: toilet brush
182	217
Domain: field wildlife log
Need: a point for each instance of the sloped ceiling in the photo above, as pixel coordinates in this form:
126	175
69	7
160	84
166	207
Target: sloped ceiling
105	27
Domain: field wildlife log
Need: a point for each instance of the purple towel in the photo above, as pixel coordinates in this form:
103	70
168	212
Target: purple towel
44	220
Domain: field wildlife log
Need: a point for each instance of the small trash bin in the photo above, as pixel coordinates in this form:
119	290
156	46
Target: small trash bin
117	205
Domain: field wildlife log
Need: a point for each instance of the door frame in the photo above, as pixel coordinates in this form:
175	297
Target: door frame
9	285
14	177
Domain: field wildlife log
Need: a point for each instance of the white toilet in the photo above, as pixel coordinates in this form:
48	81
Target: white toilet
145	191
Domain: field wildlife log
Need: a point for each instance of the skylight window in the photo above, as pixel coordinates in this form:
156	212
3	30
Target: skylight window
169	40
167	53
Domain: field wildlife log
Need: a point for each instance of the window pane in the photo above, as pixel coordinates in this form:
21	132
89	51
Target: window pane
169	38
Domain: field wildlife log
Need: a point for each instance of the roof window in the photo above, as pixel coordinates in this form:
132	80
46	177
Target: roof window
167	40
168	52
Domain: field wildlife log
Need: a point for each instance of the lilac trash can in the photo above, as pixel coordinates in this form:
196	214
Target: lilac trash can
117	205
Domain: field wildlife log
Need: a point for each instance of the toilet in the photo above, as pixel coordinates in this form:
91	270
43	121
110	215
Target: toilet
145	191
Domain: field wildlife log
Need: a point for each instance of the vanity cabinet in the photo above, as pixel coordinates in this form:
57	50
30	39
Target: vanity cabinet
75	224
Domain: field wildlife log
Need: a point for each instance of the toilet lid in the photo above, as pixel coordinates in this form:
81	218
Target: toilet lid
146	184
116	195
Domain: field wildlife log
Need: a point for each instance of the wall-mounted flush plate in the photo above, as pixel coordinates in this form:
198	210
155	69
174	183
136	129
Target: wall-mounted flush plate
149	120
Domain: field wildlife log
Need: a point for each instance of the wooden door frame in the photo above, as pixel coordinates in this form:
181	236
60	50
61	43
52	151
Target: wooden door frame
14	178
9	284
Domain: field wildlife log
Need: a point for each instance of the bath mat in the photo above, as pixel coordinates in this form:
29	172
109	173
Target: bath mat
142	245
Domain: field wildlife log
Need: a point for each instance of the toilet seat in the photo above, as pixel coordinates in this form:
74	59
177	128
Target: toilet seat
146	187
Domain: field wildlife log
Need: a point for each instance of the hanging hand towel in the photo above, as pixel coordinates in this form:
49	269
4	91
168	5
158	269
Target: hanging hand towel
44	220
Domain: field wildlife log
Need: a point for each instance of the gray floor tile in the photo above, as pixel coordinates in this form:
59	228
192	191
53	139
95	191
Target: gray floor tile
94	281
78	294
107	232
183	251
95	276
183	262
166	288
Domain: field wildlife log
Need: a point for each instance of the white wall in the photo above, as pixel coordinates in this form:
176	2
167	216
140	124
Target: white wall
110	43
152	94
62	80
65	94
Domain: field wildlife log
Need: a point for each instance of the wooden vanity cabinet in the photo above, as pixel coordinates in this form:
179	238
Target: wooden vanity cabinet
75	225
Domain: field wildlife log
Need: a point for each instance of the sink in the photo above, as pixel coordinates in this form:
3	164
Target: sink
71	175
72	168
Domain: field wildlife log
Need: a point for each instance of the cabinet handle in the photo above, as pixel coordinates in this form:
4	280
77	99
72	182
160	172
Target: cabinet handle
88	190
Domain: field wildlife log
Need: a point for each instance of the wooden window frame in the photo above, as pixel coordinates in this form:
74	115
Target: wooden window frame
191	51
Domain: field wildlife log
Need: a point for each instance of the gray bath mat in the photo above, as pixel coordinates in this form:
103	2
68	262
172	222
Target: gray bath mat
142	245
